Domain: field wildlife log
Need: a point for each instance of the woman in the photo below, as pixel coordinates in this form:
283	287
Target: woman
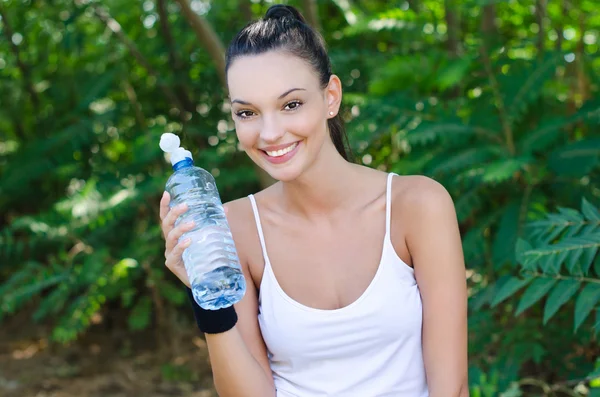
359	277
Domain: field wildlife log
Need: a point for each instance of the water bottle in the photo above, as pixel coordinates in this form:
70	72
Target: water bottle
211	260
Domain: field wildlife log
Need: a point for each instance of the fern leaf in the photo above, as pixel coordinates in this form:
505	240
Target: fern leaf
506	235
427	132
529	86
536	291
509	288
575	247
577	159
503	170
453	161
590	212
585	303
552	129
564	290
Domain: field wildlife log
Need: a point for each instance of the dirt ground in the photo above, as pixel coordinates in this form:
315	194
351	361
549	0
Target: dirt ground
101	364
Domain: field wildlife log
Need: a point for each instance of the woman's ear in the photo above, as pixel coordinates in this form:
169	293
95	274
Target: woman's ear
333	95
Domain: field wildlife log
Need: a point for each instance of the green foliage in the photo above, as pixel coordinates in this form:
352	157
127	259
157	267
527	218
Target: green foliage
559	267
508	123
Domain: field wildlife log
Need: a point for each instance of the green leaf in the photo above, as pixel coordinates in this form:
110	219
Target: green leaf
502	170
509	288
523	248
572	259
506	236
428	132
140	314
586	259
530	88
589	211
536	291
563	291
577	159
454	72
585	303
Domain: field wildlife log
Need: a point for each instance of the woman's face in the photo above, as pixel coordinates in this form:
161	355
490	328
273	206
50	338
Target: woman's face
280	111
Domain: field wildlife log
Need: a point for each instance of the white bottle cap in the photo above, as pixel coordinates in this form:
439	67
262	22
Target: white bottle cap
170	143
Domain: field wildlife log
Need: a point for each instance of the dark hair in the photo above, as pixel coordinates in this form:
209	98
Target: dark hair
284	28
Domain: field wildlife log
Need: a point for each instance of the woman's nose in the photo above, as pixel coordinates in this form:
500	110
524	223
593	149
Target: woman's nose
271	131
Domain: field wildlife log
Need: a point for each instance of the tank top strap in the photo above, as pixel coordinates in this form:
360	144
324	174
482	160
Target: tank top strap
259	227
388	203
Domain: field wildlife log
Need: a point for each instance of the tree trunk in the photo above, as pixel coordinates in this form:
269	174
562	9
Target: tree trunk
453	28
414	5
540	16
207	36
174	59
23	67
488	21
246	9
560	28
312	13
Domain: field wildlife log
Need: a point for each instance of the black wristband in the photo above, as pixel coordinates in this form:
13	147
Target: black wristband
213	321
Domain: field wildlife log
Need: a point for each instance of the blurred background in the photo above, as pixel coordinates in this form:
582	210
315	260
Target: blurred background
496	99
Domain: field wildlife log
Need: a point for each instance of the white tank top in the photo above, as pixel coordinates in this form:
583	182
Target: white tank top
370	348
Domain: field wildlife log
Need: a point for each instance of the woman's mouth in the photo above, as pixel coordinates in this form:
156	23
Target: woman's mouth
281	155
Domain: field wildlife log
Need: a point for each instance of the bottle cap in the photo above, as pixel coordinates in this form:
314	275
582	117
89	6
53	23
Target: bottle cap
169	143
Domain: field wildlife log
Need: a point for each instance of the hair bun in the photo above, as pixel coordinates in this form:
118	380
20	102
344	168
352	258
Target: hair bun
280	11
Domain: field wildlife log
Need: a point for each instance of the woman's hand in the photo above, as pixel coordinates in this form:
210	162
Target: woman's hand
173	247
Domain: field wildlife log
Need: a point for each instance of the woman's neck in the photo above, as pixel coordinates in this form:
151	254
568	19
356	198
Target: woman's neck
324	187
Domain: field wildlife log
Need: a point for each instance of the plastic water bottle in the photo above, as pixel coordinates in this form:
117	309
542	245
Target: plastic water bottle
211	260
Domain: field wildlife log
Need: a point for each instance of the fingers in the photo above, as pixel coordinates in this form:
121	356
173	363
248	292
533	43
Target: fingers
168	221
164	205
173	260
173	236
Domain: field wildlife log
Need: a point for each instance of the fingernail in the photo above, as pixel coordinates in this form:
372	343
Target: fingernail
187	241
190	223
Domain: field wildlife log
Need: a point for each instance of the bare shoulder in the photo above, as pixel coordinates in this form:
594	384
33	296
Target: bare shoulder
422	195
238	212
245	235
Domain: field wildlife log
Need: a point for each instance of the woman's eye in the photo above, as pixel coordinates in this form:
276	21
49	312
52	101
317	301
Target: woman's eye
244	114
293	105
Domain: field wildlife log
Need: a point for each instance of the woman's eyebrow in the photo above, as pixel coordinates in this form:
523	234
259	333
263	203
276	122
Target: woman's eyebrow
280	96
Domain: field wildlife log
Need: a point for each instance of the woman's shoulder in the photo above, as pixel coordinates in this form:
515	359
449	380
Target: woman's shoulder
420	194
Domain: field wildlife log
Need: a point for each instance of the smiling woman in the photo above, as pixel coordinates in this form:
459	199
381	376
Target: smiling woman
359	281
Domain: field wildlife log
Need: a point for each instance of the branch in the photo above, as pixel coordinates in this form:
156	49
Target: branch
540	15
137	107
488	22
312	14
115	27
174	59
23	68
207	36
564	7
508	135
246	9
453	28
488	28
346	8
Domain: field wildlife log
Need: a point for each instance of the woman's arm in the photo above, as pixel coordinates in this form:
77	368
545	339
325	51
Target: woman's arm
239	357
434	242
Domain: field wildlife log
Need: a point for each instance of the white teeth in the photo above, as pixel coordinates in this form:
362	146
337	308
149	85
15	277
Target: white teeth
281	152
